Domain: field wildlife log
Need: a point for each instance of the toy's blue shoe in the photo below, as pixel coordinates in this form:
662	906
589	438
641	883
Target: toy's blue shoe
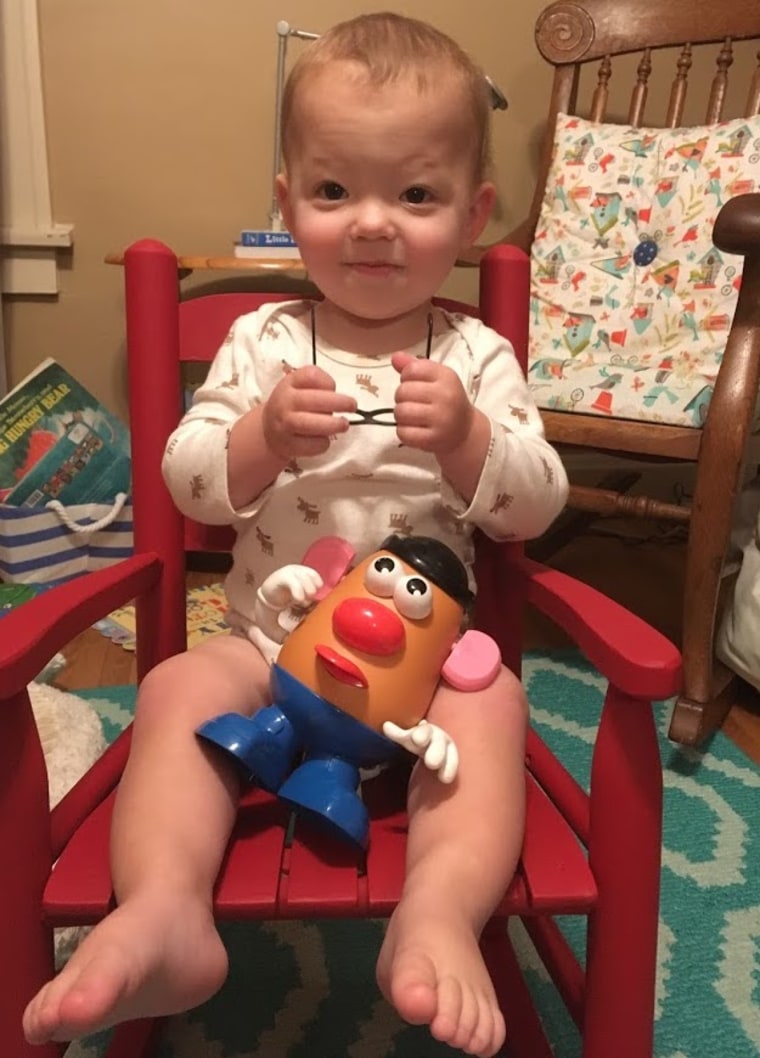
324	788
264	745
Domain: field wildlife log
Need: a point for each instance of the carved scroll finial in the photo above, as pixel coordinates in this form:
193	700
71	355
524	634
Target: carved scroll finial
564	32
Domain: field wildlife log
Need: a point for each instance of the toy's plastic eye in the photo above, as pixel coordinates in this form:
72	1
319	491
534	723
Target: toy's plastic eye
413	598
382	575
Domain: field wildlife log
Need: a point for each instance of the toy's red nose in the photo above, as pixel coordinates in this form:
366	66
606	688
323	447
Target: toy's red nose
368	625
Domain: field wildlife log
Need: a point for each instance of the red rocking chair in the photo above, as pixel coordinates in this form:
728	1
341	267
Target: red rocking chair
595	854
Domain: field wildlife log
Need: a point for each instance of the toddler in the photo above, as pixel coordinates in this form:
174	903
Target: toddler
367	413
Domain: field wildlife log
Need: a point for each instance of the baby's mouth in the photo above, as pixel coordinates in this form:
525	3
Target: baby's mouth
373	268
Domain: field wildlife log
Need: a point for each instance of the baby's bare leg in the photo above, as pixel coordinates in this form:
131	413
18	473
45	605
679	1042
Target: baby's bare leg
464	843
159	952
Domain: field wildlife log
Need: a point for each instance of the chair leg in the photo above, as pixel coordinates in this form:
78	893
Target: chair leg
621	953
695	721
525	1034
25	941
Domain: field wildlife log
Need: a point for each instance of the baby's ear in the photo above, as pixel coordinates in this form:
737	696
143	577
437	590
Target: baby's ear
481	207
282	191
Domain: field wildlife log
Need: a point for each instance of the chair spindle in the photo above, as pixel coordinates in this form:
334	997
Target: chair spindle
602	91
753	98
678	88
639	96
720	83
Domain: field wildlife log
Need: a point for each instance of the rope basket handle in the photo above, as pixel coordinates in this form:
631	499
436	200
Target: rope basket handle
91	527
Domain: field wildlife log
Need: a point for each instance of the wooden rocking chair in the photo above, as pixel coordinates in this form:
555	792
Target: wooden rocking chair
570	36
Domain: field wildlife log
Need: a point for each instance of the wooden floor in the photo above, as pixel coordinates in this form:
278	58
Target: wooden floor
646	577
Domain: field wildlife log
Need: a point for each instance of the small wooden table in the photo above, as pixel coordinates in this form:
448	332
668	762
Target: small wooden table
261	265
267	265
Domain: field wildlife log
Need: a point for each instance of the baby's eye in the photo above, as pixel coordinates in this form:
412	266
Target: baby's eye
417	196
331	191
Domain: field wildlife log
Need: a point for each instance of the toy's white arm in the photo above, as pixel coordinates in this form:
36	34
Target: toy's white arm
429	742
281	589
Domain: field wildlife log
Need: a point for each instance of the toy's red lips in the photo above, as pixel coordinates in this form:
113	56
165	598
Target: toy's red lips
340	668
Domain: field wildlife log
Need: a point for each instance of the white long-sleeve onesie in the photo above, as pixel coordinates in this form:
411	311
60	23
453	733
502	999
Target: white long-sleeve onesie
367	484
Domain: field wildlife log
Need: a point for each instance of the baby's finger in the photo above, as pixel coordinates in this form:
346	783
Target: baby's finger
323	401
401	361
415	367
311	377
312	424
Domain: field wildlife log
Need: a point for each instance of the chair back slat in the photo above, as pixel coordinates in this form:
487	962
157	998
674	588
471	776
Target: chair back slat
204	321
678	88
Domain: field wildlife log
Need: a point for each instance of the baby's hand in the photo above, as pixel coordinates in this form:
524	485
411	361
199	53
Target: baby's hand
429	742
303	413
432	409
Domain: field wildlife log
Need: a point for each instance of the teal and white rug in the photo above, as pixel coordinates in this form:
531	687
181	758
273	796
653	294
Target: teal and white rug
307	990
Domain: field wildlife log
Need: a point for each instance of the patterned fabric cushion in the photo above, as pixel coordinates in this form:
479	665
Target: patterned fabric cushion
631	303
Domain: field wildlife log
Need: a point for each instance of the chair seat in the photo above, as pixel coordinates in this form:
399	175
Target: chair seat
277	867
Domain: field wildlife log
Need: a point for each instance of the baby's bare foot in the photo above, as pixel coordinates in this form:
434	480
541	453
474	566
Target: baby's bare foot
431	969
149	957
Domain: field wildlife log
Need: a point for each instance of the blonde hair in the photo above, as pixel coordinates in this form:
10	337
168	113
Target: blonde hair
391	47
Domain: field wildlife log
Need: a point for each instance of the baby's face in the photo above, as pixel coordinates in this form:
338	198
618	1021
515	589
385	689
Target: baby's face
380	192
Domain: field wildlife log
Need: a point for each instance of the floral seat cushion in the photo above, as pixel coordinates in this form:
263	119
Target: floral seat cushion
631	303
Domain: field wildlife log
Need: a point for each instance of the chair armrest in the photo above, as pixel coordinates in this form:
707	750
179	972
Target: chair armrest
631	654
31	635
737	226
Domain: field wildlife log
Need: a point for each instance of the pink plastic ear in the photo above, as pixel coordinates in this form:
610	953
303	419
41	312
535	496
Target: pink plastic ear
473	663
331	557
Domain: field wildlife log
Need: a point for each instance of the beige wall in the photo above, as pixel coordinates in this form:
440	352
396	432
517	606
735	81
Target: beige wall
160	120
160	123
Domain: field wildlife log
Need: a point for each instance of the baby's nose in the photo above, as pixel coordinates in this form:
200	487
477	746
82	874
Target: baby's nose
373	219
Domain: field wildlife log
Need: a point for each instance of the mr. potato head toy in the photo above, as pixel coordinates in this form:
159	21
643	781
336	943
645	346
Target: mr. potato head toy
353	680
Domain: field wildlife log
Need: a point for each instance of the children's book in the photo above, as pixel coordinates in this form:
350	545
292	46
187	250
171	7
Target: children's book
267	253
259	242
265	239
58	442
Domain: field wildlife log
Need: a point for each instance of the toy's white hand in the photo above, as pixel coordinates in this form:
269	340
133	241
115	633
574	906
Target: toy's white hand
288	585
429	742
282	588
